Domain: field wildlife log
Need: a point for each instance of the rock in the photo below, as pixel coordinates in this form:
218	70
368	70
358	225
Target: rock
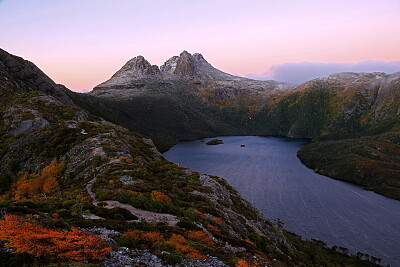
118	258
126	180
92	217
211	262
145	257
103	233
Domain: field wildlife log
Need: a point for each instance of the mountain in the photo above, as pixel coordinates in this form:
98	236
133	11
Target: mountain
78	189
185	67
185	98
19	75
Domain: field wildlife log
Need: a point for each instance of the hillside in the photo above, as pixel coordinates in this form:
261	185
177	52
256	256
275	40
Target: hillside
354	121
70	179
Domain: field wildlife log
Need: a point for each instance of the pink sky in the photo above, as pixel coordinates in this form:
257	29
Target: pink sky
82	43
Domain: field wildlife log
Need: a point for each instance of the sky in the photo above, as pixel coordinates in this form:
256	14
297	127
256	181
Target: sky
81	43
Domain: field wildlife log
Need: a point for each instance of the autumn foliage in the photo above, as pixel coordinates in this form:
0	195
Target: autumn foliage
155	195
250	242
31	184
242	263
126	159
200	237
143	240
177	243
180	244
37	240
219	221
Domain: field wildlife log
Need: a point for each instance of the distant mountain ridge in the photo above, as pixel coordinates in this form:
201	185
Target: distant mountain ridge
185	67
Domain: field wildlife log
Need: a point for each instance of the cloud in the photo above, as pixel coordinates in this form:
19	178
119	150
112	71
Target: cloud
304	71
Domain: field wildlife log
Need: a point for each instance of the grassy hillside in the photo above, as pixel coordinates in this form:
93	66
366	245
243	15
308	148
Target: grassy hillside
354	124
372	162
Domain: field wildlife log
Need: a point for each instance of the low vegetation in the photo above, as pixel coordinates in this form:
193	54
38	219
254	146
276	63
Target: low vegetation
215	142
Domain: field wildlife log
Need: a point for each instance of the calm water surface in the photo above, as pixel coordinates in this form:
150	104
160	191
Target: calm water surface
268	174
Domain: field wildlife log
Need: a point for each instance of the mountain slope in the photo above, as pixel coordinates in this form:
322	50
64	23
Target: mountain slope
350	104
354	120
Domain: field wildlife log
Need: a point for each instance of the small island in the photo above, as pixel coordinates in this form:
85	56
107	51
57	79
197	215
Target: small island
215	142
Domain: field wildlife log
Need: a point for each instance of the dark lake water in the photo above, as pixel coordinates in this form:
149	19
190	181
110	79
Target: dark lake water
268	174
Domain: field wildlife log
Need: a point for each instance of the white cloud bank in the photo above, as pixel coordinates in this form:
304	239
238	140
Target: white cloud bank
304	71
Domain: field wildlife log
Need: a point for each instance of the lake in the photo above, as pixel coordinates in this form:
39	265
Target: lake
267	173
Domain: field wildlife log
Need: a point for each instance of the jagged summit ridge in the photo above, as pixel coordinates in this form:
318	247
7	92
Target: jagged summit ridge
195	67
135	69
184	66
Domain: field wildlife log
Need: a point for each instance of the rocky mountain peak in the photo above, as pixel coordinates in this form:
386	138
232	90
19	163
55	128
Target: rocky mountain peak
199	57
139	67
135	69
188	66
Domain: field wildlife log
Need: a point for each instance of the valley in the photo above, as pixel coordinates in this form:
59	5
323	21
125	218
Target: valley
55	144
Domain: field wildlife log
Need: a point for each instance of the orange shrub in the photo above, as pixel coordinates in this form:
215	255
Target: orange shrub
213	228
126	159
37	240
180	244
200	237
55	216
219	221
155	195
142	239
200	214
250	242
242	263
31	184
152	240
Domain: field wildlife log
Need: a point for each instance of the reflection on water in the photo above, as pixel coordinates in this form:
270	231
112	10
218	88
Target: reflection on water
268	174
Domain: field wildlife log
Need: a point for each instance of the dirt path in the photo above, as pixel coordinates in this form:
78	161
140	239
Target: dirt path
141	214
144	214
